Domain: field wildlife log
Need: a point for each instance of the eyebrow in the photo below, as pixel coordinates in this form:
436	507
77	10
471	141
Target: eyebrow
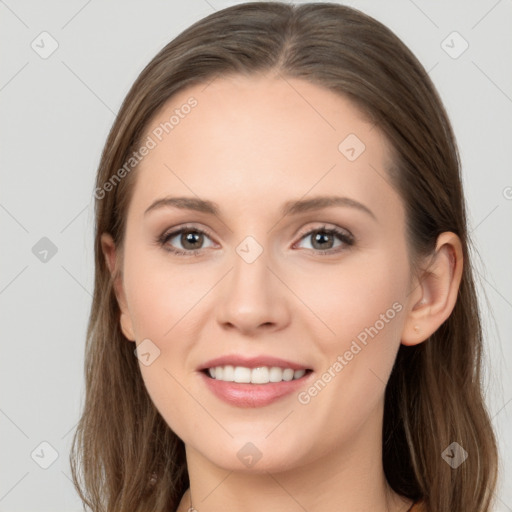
289	208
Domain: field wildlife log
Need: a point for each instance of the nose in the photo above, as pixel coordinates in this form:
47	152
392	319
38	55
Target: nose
253	298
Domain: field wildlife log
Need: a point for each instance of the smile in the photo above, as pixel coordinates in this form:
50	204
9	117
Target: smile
253	387
260	375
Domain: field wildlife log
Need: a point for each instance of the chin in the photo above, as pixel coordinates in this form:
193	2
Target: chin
252	457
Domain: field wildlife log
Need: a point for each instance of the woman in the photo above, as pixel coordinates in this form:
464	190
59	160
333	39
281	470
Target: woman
284	314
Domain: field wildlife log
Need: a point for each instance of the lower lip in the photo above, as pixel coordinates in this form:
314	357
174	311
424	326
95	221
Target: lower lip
253	395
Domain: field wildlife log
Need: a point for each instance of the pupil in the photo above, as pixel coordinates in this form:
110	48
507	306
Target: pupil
190	238
321	237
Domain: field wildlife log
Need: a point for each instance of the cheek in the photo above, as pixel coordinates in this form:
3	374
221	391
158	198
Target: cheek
161	299
365	309
353	295
159	294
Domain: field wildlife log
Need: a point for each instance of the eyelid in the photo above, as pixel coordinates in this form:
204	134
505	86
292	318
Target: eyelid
176	230
301	233
190	227
304	232
327	227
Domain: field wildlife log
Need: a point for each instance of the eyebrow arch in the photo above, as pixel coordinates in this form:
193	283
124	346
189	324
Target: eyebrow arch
289	208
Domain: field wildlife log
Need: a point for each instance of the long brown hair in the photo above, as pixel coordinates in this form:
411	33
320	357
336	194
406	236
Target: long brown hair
130	459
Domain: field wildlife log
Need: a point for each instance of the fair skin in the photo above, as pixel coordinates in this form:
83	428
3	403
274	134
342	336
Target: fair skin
250	145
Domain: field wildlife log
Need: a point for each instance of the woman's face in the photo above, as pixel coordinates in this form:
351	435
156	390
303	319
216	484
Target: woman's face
264	284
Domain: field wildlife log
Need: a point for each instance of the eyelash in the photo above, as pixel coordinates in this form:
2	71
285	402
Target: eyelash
345	237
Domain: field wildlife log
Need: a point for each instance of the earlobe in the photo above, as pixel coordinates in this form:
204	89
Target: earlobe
435	295
112	262
109	251
126	326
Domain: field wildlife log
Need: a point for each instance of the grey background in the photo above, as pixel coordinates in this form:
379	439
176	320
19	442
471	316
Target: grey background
55	115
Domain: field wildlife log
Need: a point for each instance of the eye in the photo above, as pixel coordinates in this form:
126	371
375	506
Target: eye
324	238
190	238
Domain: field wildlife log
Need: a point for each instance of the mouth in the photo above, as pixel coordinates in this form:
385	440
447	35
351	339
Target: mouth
258	375
259	386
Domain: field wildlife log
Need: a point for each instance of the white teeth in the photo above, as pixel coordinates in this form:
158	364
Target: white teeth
260	375
242	374
229	373
276	374
288	374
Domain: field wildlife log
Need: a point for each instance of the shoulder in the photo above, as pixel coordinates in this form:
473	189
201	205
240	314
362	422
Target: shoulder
419	506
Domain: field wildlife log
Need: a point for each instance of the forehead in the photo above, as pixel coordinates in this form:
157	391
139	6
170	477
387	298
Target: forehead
249	138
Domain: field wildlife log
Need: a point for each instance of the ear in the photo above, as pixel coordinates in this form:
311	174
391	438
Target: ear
435	294
113	261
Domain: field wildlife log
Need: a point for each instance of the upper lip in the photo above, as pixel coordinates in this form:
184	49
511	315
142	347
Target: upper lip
251	362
